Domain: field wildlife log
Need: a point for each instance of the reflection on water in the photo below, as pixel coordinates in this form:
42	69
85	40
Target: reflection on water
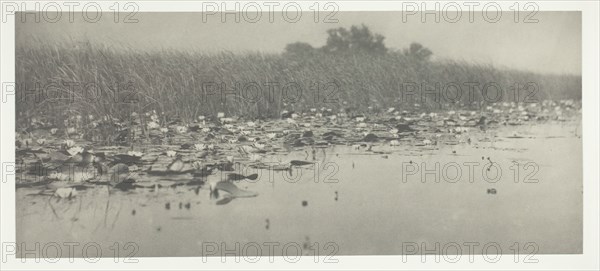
514	189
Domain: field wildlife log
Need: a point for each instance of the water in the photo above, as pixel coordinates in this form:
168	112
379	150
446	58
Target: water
361	203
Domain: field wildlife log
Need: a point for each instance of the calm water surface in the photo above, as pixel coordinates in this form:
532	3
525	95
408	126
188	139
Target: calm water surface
362	202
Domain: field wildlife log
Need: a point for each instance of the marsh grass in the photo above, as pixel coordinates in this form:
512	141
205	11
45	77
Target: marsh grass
58	80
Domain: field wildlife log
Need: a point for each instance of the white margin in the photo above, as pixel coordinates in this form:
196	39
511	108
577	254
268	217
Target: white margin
591	87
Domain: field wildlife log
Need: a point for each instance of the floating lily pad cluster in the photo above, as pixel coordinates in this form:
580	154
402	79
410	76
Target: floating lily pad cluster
151	150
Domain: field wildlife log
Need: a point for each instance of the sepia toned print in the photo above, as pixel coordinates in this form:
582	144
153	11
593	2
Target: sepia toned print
299	133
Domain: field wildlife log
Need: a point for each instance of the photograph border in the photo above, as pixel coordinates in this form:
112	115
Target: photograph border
590	125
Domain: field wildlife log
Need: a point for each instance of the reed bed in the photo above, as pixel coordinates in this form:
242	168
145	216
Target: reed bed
55	81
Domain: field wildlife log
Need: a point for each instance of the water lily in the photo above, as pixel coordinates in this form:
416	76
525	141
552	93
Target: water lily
75	150
153	125
58	176
200	147
135	153
69	143
182	129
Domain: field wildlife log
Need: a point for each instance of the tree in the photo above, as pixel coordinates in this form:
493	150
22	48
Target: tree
355	39
299	49
417	51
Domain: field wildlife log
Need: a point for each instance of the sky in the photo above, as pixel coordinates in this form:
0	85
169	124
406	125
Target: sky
552	45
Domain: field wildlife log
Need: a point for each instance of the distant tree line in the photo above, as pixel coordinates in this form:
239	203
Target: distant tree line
357	39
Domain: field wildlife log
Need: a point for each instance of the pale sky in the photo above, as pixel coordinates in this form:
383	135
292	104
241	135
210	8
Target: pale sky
553	45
